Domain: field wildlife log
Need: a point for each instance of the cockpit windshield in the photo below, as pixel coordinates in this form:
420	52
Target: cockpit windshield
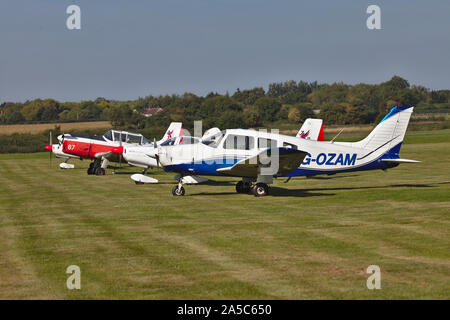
108	135
188	140
127	137
214	140
169	142
180	140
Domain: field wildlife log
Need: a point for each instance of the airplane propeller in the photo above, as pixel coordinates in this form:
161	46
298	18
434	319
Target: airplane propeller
120	155
51	146
155	145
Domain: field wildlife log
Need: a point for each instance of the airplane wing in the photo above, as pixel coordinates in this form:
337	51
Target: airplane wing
400	160
288	160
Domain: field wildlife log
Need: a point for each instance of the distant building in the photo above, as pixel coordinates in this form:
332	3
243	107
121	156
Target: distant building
151	111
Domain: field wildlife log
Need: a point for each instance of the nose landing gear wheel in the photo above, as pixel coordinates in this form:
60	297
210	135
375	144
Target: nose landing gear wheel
260	190
178	191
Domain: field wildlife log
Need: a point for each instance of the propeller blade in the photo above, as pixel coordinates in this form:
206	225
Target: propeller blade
157	160
120	156
155	145
51	144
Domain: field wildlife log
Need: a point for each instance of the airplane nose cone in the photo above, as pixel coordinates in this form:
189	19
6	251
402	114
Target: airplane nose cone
49	147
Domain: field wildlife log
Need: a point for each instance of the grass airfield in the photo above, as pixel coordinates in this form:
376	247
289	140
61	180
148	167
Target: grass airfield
310	239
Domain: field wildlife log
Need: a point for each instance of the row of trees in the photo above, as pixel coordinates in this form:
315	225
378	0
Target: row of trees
291	101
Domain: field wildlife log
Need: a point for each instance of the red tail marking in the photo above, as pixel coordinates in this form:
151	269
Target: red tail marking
321	136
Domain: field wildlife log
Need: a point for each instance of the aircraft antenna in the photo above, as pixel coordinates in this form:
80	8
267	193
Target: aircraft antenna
332	140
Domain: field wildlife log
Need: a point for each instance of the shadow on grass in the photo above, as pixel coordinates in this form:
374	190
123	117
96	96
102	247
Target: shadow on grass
373	187
331	176
314	192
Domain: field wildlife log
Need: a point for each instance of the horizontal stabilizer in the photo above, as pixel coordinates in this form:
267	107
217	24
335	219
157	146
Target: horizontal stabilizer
64	165
140	178
400	160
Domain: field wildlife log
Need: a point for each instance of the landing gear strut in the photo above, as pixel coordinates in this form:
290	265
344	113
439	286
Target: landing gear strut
178	190
96	168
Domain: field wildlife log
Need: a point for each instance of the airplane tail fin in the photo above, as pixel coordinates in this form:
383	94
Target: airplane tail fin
311	129
388	135
175	130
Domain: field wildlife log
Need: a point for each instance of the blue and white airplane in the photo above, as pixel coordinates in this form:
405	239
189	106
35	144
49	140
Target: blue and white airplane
258	157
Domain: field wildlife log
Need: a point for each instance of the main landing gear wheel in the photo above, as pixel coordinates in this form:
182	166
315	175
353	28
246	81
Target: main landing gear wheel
100	171
243	187
178	191
260	190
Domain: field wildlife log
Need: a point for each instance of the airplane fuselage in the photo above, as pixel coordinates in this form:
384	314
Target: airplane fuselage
322	157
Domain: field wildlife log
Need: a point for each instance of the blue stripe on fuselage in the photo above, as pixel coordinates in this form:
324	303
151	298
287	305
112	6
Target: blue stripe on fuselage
375	164
205	167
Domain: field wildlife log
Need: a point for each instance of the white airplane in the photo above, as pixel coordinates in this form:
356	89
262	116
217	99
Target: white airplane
139	155
135	155
258	157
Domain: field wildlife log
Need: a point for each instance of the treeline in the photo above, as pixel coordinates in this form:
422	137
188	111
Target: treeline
290	101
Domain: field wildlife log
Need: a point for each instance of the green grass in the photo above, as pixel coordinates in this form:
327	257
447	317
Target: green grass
310	239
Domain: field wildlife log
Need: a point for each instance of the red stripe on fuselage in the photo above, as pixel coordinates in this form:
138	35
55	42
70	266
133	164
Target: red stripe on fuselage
86	148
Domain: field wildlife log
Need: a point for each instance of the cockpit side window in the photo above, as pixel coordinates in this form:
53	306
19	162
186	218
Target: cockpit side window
116	135
134	138
214	140
239	142
264	143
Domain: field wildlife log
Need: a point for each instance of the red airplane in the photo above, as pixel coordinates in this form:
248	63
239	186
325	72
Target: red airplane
103	149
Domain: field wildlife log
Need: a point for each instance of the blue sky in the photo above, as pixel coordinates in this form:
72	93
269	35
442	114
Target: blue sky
127	49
